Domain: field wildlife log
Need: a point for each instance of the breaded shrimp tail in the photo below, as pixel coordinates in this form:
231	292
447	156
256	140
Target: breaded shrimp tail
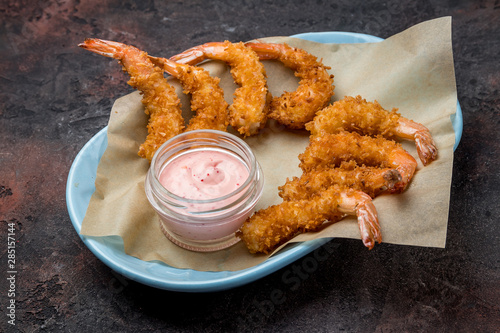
330	150
275	225
371	180
369	118
248	112
207	97
295	109
159	98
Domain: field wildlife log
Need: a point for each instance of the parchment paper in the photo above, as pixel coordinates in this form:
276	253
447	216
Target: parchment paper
412	71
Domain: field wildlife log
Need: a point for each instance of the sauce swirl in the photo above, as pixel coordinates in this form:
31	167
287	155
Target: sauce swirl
203	175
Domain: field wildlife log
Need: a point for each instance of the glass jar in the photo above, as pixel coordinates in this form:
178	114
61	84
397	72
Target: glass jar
203	224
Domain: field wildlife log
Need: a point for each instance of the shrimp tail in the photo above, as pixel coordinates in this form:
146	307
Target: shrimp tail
266	51
167	65
105	48
268	228
199	53
426	148
368	224
370	118
360	204
162	104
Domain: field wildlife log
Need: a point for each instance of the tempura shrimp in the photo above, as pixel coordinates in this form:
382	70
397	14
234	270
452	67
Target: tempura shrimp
330	150
248	112
295	109
159	98
371	180
356	114
207	97
268	228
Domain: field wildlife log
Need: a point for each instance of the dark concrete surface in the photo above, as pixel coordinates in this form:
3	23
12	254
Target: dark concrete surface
54	97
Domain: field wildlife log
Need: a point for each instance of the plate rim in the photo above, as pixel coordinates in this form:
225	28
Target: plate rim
215	281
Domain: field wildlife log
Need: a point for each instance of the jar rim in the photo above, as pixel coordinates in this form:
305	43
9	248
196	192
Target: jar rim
248	200
206	137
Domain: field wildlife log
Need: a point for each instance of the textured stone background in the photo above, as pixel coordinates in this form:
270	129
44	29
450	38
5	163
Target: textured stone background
54	97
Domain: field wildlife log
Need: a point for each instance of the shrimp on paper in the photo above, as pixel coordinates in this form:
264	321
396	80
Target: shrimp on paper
268	228
330	150
248	112
356	114
371	180
159	98
207	97
295	109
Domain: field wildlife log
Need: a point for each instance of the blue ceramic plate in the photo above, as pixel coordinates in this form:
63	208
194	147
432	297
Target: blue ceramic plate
109	250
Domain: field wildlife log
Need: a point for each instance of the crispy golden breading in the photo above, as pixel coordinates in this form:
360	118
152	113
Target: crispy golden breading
270	227
355	114
159	98
371	180
295	109
248	112
207	97
330	150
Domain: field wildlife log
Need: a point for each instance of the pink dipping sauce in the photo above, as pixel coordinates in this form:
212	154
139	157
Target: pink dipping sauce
204	175
203	184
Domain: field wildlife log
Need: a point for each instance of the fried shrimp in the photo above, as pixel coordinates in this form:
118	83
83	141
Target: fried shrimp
248	112
273	226
356	114
207	97
371	180
330	150
295	109
159	98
